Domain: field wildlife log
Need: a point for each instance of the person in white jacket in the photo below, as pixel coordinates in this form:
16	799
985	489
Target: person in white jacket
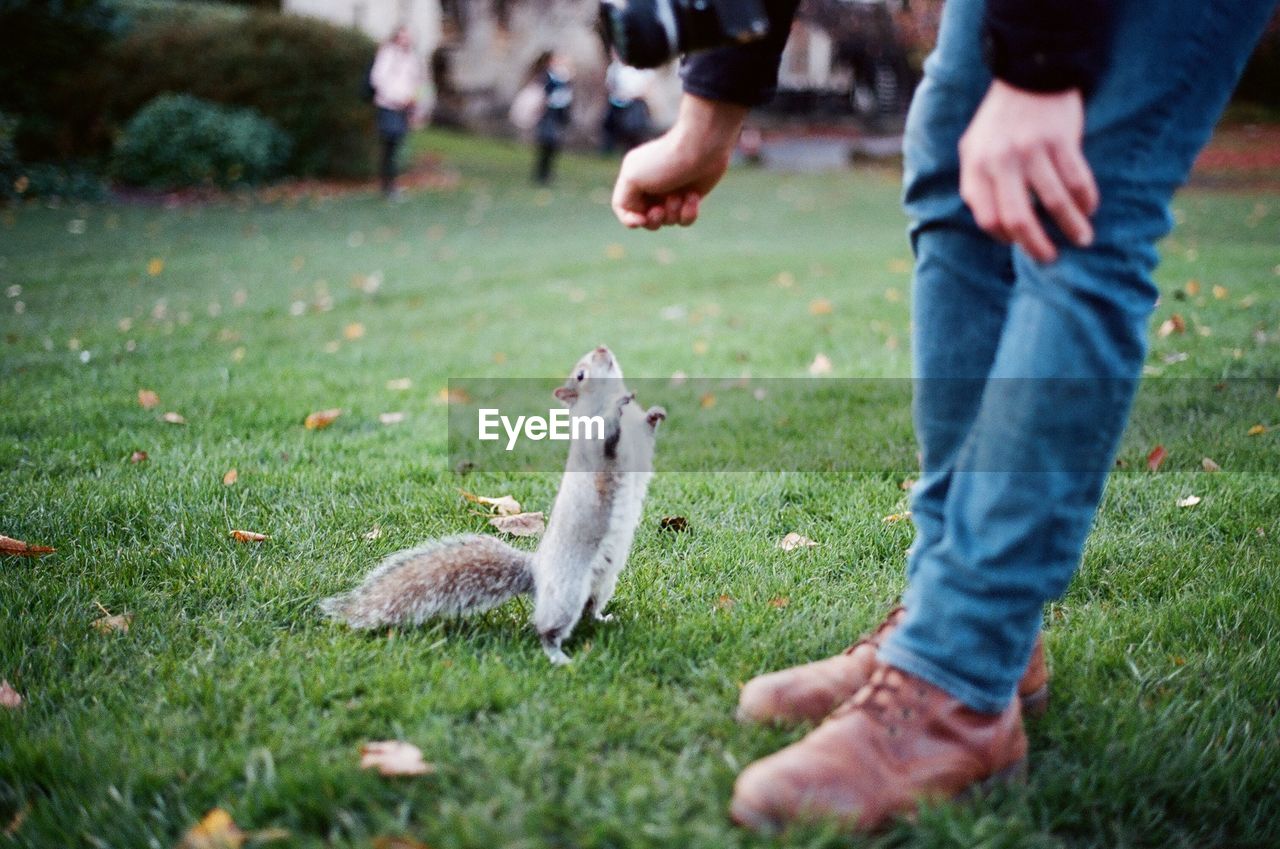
396	78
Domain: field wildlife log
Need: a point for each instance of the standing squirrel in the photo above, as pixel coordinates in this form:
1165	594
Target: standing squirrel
575	567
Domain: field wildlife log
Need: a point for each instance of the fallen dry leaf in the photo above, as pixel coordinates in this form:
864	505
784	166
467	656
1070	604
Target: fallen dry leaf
707	401
453	395
726	602
392	418
353	331
248	536
1189	501
503	505
110	623
18	548
1257	430
793	540
820	306
675	524
780	602
615	251
521	524
1220	293
906	484
18	819
400	384
173	418
138	457
1193	287
391	842
148	399
155	267
1209	466
375	533
321	419
820	366
393	757
894	518
215	831
1156	458
230	478
9	697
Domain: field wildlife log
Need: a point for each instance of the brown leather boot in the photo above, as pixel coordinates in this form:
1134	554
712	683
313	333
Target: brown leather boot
809	692
898	741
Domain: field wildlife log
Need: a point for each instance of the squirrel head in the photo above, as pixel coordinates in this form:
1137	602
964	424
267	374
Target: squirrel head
596	369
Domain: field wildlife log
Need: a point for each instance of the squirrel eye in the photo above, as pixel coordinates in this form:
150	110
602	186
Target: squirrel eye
581	374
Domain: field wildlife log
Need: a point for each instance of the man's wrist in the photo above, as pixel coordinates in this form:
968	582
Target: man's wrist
707	128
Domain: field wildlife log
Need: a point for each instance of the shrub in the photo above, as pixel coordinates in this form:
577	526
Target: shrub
21	180
301	73
178	140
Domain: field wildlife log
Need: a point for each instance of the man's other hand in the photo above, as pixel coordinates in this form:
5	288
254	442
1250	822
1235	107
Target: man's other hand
1022	144
663	182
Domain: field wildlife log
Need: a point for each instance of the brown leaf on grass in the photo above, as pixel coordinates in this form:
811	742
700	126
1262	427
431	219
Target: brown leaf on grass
793	540
707	401
248	536
18	548
820	306
110	623
230	478
503	505
1156	458
1220	293
155	267
1209	466
173	418
400	384
676	524
895	518
1173	324
780	602
321	419
384	841
615	251
138	457
394	757
453	395
374	533
9	697
18	819
1257	430
906	484
353	331
1189	501
1193	287
726	602
148	399
521	524
215	831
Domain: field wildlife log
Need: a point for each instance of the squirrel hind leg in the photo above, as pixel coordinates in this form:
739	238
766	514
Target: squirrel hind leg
551	640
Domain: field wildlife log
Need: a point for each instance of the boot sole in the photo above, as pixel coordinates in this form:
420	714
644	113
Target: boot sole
1034	706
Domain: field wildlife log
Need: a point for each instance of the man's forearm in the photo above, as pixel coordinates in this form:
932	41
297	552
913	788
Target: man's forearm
706	128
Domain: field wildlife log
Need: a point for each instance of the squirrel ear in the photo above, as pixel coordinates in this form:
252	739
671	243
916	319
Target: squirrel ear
655	415
566	395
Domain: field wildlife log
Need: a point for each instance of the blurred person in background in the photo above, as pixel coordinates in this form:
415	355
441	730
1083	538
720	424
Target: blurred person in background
396	78
557	84
626	114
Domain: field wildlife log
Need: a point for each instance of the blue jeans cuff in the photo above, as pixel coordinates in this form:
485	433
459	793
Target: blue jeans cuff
911	663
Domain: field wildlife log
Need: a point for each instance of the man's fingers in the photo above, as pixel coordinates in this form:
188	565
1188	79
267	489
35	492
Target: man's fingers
654	218
674	202
1077	177
1064	208
689	209
975	188
1017	218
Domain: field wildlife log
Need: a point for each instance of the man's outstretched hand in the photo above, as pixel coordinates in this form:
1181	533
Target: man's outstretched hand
1021	144
663	182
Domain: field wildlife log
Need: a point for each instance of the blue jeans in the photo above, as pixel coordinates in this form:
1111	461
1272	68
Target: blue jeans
1025	373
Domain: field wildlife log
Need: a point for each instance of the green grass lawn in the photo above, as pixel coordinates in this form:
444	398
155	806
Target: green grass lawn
229	690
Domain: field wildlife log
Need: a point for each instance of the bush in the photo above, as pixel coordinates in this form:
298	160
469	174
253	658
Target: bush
21	180
301	73
178	140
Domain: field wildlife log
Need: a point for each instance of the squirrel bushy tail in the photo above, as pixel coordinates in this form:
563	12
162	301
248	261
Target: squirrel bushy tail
455	576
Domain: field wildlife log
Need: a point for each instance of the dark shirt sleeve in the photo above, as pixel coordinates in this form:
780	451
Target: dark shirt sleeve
746	74
1047	45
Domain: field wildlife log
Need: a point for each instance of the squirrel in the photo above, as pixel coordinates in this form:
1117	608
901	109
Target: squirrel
575	567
